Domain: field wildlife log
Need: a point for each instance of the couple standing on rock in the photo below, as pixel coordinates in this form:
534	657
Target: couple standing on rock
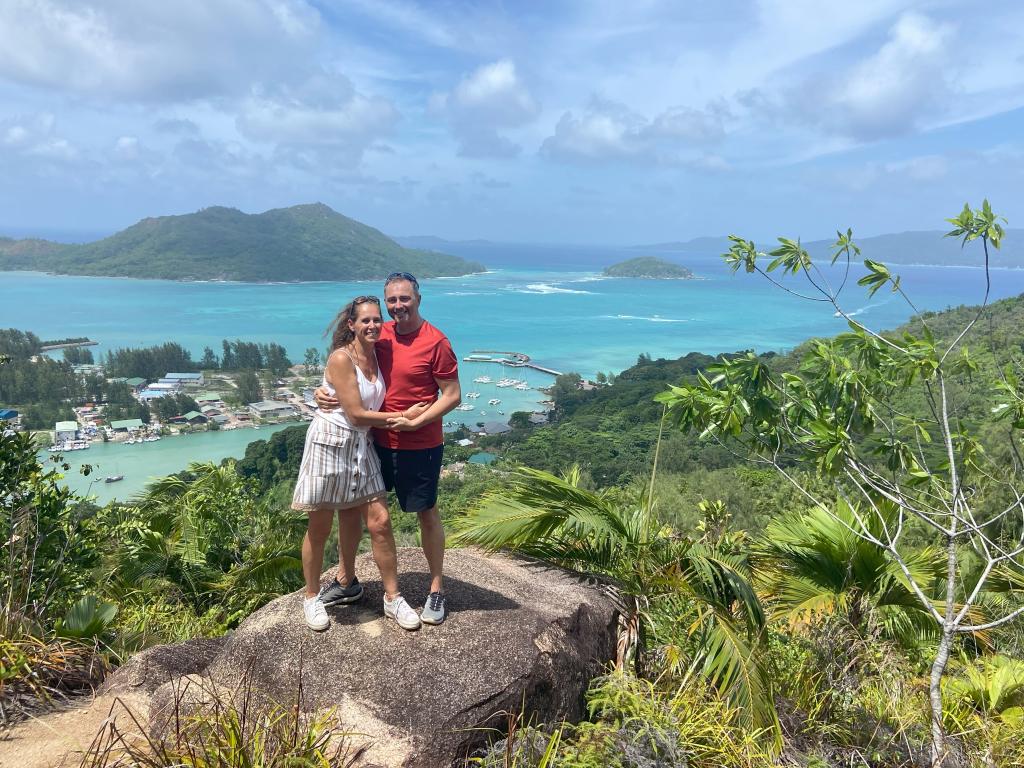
398	379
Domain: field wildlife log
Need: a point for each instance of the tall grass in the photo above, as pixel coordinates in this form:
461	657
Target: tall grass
210	727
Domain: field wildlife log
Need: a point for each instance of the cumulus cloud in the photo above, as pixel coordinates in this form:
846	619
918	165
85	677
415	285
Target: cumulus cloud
490	99
35	136
151	50
892	91
608	130
323	112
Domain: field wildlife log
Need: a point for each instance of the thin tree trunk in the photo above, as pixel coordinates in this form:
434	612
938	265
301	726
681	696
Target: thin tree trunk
935	696
949	615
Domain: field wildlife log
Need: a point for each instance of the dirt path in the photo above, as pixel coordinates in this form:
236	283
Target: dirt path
58	739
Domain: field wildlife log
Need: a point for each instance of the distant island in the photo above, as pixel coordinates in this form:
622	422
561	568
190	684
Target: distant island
921	247
648	267
302	243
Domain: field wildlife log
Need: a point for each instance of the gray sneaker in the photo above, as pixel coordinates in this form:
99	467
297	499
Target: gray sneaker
434	609
335	594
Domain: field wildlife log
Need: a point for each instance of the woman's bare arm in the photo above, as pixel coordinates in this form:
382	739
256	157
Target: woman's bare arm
341	373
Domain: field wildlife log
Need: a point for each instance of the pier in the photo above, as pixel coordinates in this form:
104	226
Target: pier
511	359
67	345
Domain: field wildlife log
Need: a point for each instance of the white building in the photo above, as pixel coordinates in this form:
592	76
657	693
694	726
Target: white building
186	379
65	431
269	409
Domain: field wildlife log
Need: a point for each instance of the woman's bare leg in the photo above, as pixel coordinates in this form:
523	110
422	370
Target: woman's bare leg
313	549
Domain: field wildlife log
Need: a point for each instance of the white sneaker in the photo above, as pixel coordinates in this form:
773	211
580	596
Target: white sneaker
402	612
316	615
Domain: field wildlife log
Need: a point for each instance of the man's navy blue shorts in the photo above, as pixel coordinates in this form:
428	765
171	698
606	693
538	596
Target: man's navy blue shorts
412	474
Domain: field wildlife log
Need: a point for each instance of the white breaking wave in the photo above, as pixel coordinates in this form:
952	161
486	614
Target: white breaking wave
653	319
545	288
865	308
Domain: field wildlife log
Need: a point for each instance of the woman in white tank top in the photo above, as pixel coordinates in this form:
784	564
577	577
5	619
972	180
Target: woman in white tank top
340	471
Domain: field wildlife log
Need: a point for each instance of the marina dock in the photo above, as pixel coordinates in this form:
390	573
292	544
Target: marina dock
67	345
511	359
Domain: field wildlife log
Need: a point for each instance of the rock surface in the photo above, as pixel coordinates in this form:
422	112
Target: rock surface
150	669
520	637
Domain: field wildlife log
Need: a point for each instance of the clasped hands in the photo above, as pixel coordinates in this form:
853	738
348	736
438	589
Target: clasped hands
399	422
406	420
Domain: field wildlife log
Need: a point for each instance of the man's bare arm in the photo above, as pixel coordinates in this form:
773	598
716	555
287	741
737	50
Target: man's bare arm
448	400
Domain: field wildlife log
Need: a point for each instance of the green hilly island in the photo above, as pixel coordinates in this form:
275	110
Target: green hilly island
301	243
648	267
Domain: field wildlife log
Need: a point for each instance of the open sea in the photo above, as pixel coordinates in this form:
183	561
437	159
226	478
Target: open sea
549	302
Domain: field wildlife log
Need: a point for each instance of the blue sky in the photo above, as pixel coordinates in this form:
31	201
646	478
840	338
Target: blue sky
589	122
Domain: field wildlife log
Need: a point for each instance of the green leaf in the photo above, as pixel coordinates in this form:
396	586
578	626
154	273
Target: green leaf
87	619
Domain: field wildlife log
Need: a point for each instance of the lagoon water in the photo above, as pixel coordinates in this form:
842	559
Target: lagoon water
549	302
142	462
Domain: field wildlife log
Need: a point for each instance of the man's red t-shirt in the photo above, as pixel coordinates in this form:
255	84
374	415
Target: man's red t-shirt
410	363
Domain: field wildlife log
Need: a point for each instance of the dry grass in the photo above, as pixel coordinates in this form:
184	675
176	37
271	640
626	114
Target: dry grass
36	674
208	726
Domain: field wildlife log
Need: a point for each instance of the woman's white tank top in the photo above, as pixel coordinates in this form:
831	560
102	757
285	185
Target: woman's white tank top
370	392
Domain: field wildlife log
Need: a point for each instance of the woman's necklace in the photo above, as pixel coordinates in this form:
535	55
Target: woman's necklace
363	361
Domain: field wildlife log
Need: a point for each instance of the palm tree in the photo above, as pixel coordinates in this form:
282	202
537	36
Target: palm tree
205	536
615	535
811	564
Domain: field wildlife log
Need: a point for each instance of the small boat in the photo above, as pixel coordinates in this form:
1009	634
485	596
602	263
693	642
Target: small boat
522	387
473	395
482	380
114	478
501	413
493	401
483	413
465	407
151	439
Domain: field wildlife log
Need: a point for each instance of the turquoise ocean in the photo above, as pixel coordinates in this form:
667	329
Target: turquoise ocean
549	302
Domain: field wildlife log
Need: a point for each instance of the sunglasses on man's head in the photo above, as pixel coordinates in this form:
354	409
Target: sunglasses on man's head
402	276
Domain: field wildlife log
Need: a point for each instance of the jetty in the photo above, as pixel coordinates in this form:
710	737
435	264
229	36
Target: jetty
53	345
511	359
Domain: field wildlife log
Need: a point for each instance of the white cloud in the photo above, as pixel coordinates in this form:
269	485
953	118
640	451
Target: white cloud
490	99
35	136
151	50
897	89
323	112
607	130
892	91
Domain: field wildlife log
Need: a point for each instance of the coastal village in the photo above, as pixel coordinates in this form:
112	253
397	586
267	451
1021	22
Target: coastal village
289	399
214	411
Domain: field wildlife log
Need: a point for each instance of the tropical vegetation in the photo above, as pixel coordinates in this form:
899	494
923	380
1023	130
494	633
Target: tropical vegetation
648	267
816	555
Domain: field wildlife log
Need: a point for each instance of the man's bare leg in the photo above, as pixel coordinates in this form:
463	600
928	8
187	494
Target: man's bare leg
432	538
382	544
350	531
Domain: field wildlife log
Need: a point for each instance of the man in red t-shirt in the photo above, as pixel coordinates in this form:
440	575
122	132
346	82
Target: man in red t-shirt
419	366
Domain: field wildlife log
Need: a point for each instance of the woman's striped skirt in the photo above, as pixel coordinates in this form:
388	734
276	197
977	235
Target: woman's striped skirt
340	469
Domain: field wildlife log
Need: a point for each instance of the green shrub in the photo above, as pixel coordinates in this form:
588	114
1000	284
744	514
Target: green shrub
641	724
